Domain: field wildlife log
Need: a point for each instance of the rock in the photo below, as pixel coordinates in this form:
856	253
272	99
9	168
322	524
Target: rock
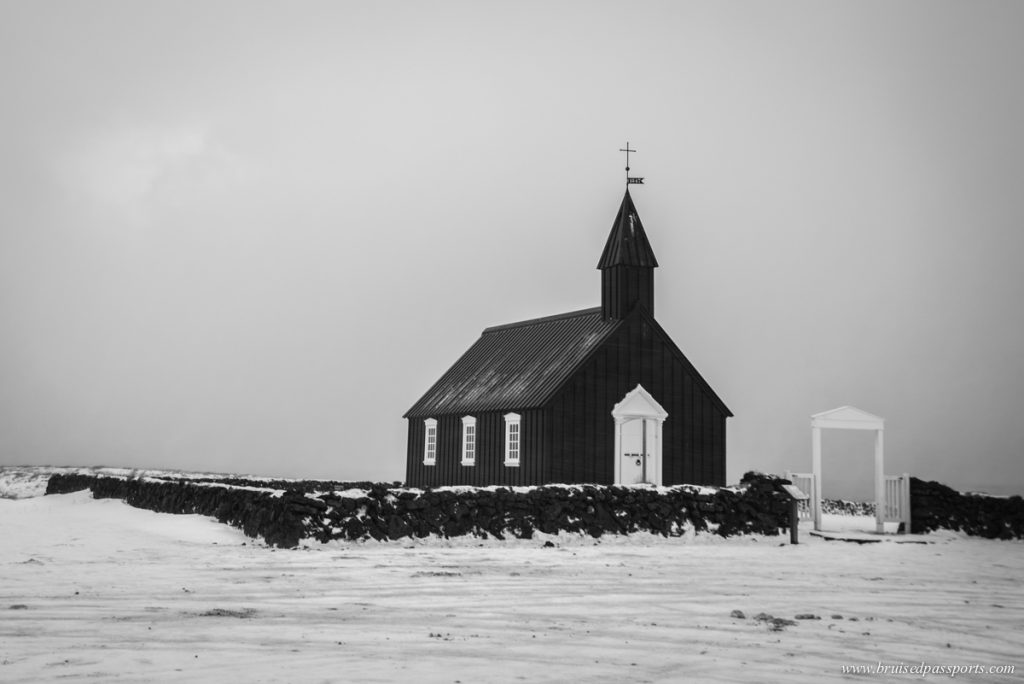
807	616
738	614
778	624
397	528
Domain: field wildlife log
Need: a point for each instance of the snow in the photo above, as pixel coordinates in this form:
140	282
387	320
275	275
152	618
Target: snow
97	590
353	493
835	522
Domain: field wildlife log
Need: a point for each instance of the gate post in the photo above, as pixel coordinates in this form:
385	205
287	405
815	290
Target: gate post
879	484
816	469
794	521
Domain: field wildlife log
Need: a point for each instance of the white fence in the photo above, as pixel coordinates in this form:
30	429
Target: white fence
897	500
805	483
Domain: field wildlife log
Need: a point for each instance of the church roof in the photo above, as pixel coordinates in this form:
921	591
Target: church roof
515	366
627	243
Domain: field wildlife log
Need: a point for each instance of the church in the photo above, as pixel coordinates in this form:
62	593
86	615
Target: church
601	395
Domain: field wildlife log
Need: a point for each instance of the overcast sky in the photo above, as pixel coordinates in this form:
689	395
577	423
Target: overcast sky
249	236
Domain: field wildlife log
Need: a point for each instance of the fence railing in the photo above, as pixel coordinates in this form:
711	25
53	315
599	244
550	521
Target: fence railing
897	500
805	483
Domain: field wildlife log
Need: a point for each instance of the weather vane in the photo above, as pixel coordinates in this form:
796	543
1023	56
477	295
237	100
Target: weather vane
630	180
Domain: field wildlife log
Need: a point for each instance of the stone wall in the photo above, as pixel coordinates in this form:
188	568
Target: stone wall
844	507
935	506
328	511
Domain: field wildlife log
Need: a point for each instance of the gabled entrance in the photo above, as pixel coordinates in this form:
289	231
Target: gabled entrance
892	494
638	421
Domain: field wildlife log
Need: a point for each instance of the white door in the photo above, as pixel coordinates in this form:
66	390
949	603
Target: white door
635	461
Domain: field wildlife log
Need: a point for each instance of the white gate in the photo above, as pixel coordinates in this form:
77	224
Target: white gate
848	418
805	483
897	500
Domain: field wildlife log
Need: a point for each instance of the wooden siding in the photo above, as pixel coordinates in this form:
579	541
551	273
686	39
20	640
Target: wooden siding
490	468
623	287
582	435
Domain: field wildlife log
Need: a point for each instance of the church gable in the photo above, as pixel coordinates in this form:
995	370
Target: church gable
691	370
638	402
582	412
638	348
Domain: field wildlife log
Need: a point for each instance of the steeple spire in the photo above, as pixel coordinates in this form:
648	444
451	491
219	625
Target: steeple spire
627	265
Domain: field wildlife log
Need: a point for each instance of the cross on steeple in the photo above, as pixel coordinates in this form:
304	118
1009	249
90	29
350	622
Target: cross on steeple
627	151
630	180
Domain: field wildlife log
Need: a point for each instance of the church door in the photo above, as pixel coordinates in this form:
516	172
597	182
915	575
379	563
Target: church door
638	422
636	462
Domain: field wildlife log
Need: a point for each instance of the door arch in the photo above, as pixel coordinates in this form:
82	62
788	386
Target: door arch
638	426
848	418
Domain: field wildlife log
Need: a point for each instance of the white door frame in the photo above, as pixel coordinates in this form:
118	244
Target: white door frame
638	404
848	418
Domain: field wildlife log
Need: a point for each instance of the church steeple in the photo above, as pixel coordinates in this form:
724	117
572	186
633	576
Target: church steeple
627	265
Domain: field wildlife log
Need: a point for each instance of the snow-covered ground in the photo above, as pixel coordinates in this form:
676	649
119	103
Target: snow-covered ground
96	590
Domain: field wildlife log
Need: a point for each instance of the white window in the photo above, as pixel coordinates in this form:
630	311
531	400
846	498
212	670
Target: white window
512	421
468	440
430	442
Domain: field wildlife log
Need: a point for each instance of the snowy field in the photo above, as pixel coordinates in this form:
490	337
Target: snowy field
96	590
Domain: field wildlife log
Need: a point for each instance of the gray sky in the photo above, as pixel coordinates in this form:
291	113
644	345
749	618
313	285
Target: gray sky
248	236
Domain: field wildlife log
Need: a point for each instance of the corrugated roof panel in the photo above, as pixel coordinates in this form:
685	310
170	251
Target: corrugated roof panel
517	365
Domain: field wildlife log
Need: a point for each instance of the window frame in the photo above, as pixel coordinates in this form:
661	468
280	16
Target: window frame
429	446
513	440
469	441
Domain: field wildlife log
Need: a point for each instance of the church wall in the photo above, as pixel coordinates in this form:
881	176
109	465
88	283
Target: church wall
489	468
583	431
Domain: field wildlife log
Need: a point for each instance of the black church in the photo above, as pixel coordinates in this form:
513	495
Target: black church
601	395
